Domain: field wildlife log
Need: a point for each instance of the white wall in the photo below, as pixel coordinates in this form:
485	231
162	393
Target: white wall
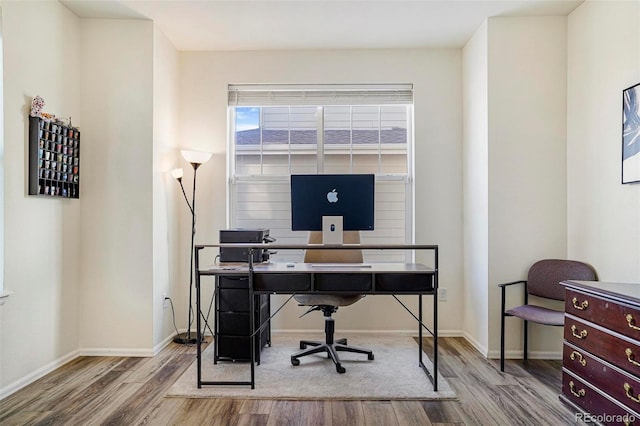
2	291
88	275
475	188
116	305
436	75
514	165
166	193
39	321
527	162
603	214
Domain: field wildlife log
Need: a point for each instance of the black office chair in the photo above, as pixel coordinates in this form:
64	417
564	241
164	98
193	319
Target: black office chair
543	281
329	303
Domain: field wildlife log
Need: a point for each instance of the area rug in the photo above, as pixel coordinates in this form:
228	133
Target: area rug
394	374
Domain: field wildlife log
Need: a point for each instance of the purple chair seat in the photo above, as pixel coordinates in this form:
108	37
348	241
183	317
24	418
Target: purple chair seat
543	280
538	314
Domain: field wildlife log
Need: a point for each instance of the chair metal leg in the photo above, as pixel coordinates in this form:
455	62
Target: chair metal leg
330	347
354	349
526	339
502	333
305	343
502	344
331	350
310	351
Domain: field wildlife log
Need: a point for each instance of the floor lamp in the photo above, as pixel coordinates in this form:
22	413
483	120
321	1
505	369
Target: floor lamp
196	159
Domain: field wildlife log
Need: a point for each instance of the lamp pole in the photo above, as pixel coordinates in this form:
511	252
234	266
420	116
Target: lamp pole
196	159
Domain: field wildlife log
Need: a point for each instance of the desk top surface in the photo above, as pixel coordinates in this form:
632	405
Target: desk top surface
309	268
275	246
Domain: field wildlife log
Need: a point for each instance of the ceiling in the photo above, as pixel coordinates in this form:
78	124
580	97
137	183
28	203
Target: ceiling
319	24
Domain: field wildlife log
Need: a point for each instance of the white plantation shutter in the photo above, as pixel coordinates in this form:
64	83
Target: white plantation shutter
320	129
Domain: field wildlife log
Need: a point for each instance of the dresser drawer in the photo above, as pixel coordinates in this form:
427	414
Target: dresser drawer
233	299
404	283
233	281
343	282
237	348
611	380
600	406
617	349
282	282
234	323
609	314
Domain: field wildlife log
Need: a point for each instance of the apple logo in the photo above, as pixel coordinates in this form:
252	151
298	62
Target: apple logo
332	196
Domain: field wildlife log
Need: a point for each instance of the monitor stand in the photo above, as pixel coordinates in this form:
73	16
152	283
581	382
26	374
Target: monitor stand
332	230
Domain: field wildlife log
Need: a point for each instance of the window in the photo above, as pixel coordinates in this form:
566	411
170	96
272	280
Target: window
276	131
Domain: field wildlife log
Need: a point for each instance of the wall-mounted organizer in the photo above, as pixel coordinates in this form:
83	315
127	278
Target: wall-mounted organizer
54	158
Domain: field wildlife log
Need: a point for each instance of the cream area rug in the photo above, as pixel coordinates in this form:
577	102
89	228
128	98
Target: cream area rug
394	374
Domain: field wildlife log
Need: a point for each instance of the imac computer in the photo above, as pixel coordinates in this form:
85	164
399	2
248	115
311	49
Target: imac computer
332	204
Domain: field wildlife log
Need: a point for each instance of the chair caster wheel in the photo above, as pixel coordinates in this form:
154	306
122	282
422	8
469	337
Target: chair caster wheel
303	346
370	357
340	369
295	361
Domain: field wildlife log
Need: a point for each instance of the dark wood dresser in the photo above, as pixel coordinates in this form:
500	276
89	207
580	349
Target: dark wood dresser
601	352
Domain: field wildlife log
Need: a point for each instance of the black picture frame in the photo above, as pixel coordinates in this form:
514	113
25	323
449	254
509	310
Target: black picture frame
631	134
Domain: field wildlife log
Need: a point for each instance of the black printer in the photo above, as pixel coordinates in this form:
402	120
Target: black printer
244	235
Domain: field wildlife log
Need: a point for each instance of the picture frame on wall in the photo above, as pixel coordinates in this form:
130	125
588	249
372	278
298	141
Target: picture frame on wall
631	134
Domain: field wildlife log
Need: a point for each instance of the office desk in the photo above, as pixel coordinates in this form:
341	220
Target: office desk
299	278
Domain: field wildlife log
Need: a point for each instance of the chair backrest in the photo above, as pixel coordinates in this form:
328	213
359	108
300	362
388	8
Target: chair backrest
334	256
545	276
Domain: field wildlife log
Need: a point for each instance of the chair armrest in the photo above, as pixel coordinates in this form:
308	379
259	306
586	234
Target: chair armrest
504	286
512	283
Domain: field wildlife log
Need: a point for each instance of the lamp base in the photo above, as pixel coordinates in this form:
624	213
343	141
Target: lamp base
186	338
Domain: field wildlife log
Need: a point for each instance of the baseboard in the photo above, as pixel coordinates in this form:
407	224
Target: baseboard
412	332
519	354
160	346
123	352
479	347
511	354
39	373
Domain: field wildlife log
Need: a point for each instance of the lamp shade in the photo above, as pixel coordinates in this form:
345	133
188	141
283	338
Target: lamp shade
196	157
177	173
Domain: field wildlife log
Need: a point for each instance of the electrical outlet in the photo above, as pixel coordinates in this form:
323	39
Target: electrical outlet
442	294
165	301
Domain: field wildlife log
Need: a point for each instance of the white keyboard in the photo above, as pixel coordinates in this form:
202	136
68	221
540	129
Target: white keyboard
340	265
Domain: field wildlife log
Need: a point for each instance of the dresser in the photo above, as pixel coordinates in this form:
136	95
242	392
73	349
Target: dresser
601	351
233	326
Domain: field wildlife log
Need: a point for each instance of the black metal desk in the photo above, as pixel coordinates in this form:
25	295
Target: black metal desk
375	278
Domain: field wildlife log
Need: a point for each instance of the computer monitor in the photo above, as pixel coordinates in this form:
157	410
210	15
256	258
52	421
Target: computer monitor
350	197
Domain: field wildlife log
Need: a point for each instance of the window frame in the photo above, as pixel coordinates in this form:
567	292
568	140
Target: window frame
320	154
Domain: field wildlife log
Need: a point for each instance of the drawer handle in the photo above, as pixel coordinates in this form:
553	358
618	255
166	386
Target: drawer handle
579	393
628	390
581	360
582	306
580	335
632	322
629	353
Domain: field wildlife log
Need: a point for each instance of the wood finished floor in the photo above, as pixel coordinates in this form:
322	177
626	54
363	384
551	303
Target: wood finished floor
130	391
